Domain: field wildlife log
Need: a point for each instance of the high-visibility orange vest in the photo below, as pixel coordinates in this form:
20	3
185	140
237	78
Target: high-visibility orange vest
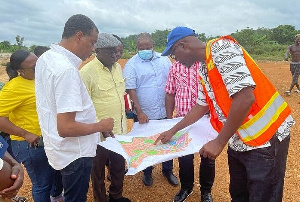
268	111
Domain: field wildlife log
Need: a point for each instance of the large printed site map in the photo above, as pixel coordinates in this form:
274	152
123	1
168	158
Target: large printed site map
142	147
139	151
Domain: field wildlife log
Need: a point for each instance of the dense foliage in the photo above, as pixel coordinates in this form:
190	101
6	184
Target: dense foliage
262	43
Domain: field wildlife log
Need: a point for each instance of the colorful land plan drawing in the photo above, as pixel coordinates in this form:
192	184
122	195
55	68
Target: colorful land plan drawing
139	151
142	147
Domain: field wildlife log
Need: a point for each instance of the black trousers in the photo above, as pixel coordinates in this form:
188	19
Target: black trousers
206	173
117	169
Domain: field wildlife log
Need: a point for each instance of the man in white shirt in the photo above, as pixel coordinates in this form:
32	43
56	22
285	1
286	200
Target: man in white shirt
66	113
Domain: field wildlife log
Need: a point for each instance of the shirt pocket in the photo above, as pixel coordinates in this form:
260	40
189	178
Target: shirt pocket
111	91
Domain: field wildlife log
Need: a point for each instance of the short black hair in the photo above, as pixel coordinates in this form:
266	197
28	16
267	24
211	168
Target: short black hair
78	23
39	50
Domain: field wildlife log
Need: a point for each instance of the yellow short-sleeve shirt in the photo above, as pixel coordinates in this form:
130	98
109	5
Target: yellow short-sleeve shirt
17	102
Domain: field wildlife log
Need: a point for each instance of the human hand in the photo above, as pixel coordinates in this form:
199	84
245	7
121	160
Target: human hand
212	149
108	134
106	125
31	138
17	174
164	137
142	117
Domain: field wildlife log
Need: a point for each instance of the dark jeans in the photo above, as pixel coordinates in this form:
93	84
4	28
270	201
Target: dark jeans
41	174
76	178
206	173
167	166
258	175
116	168
57	186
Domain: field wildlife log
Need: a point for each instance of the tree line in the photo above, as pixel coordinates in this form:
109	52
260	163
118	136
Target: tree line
262	43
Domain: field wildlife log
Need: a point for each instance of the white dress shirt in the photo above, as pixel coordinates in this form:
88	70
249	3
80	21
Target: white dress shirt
59	89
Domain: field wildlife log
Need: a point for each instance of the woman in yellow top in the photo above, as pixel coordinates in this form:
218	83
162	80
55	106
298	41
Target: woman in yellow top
18	117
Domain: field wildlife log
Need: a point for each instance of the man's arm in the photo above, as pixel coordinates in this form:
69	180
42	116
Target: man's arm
67	126
197	112
17	174
287	53
142	117
240	106
170	105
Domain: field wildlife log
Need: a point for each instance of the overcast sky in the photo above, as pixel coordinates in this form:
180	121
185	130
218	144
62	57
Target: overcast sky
41	22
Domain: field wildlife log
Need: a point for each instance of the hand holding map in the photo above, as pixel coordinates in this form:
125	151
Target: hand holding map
139	151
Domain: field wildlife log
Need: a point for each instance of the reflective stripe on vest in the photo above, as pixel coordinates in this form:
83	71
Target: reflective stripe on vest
263	119
266	114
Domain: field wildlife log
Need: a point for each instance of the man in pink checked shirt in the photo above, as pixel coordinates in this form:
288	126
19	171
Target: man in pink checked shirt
181	95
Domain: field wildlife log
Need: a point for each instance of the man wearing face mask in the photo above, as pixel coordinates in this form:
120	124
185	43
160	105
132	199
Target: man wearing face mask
146	75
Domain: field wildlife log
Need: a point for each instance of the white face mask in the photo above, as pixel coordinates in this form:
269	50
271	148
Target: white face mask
145	54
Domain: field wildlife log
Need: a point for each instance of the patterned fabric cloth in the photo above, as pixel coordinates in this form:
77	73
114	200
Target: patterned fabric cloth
295	70
183	82
228	59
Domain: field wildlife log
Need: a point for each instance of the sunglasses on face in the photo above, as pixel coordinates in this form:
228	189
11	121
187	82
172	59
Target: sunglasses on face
30	69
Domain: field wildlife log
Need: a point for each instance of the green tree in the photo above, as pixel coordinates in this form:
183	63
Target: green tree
19	41
160	38
202	37
283	34
31	48
5	46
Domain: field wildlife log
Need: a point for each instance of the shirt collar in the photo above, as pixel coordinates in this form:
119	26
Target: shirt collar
74	59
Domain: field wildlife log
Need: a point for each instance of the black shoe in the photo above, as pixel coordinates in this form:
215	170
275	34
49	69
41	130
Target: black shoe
206	197
122	199
148	180
182	195
171	178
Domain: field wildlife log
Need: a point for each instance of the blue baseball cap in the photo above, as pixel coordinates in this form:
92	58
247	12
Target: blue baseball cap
176	34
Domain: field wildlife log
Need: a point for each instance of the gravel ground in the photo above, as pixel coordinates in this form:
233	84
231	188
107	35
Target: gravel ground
161	191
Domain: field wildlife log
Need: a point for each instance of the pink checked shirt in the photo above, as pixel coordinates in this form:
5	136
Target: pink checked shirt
183	82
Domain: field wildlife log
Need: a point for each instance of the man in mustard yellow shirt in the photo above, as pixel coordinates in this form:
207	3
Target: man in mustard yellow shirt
104	81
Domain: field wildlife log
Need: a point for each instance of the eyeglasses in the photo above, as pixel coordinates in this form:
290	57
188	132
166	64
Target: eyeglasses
31	69
110	53
172	52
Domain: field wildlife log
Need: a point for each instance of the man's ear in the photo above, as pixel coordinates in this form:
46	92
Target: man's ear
183	44
78	36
